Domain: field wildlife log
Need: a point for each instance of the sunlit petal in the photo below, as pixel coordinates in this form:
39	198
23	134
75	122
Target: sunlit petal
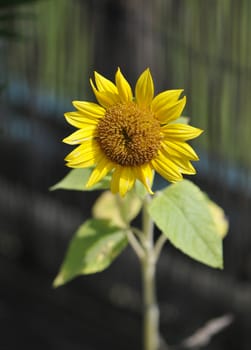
144	90
180	149
166	169
86	146
89	109
124	89
126	181
105	98
83	164
123	180
103	167
170	111
115	179
164	98
104	84
180	132
79	120
145	174
85	155
182	164
81	135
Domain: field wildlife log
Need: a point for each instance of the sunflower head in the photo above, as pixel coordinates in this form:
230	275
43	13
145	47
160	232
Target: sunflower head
131	135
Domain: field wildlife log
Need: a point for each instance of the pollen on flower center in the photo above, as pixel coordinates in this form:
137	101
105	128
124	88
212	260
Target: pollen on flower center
129	135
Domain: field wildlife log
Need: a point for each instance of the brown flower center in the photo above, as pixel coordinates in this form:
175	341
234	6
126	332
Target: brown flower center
128	135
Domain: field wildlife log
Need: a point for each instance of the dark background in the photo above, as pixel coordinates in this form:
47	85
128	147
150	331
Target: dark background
48	51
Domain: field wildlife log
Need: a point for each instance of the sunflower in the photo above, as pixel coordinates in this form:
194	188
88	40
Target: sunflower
131	136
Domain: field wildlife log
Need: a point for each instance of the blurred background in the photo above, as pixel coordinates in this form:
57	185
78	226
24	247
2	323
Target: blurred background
48	51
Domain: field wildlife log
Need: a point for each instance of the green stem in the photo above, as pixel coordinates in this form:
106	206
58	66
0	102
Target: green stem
150	308
159	245
139	251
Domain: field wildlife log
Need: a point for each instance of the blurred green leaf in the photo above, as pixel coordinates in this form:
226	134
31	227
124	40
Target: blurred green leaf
181	120
218	215
119	210
181	211
140	189
76	180
92	249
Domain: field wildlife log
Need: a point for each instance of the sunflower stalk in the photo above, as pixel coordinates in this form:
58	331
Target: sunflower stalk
159	245
136	246
151	337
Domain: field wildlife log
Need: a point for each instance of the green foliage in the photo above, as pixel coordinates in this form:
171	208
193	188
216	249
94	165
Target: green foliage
181	120
182	212
220	220
76	180
119	210
92	249
140	190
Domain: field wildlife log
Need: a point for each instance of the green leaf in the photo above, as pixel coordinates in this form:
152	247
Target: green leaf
76	180
181	211
181	120
218	215
119	210
140	190
92	249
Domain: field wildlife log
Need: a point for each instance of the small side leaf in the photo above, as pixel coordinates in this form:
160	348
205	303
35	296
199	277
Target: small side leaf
92	249
181	211
119	210
76	180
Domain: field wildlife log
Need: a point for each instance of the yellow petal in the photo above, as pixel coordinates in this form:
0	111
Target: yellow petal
144	89
183	165
84	155
166	169
170	111
103	167
180	132
127	180
164	98
86	146
123	179
115	179
84	164
104	84
124	89
180	149
105	98
145	174
79	120
89	109
79	136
